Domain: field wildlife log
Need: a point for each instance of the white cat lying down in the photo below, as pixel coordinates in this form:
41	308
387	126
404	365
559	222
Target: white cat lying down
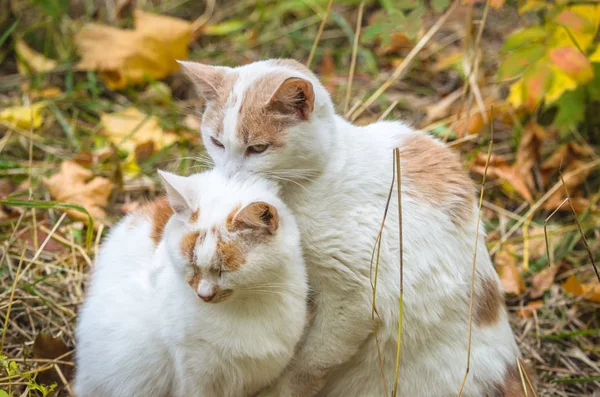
201	295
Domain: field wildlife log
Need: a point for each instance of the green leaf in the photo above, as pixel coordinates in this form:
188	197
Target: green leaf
3	393
524	37
224	28
571	110
594	85
439	5
7	32
516	62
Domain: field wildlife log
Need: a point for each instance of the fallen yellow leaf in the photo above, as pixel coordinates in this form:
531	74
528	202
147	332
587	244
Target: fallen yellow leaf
76	185
532	307
131	129
29	60
151	50
543	280
589	291
24	117
511	279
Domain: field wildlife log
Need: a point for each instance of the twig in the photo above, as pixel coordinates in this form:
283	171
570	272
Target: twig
472	292
313	50
403	67
354	52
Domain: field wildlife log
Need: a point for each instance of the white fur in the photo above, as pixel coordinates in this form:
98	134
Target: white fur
336	177
144	332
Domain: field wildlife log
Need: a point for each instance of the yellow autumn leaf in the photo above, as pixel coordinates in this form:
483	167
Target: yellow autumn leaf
595	57
515	96
78	185
150	50
561	82
576	23
29	60
137	133
130	128
24	117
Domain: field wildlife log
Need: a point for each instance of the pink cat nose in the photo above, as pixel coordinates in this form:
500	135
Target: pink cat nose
206	291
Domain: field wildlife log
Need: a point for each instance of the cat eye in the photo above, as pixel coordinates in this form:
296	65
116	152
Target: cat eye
255	149
216	142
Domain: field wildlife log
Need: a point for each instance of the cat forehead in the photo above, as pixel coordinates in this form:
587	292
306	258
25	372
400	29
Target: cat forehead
240	110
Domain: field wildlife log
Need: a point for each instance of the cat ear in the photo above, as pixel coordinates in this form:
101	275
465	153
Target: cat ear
207	79
257	215
176	187
294	96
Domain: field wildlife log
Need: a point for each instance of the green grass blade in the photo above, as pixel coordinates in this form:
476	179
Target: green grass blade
59	205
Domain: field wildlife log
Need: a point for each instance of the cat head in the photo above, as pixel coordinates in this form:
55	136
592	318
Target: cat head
269	117
230	237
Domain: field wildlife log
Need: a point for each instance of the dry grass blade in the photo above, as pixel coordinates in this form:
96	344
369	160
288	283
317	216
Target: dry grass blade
361	8
313	50
377	248
389	110
403	67
11	299
538	204
525	381
472	290
546	229
585	242
202	19
400	247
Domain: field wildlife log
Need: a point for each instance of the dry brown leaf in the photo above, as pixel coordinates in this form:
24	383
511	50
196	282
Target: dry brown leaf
528	152
441	108
563	156
32	61
77	185
151	50
192	122
580	204
542	281
136	132
589	291
506	256
399	42
455	57
49	348
532	307
499	168
511	279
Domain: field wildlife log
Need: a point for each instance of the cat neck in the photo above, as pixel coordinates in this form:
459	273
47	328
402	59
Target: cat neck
330	155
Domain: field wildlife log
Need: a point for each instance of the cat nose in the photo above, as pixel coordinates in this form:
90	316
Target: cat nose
206	291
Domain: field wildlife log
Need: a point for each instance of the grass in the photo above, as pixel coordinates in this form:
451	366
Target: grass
45	255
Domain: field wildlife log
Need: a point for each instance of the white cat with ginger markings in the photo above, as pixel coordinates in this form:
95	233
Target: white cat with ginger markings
201	295
274	118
